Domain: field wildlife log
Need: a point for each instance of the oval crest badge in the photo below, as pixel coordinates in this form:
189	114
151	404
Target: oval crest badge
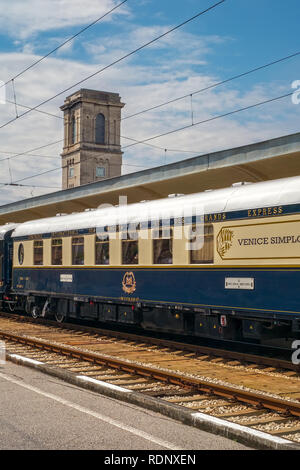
129	283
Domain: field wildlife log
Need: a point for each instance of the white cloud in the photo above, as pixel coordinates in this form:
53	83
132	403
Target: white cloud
177	70
22	19
174	49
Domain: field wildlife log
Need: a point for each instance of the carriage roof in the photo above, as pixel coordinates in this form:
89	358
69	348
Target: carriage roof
243	196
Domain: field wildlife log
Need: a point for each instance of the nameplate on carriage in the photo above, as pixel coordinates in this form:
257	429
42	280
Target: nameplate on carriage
66	278
246	283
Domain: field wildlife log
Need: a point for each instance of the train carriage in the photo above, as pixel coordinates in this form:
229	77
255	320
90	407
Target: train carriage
6	250
138	264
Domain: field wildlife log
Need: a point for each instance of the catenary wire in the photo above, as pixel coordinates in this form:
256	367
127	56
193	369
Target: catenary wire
169	102
214	85
63	43
116	61
210	119
29	185
13	183
165	103
261	103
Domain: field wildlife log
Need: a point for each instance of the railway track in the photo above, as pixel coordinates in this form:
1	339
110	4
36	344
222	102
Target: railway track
221	387
267	357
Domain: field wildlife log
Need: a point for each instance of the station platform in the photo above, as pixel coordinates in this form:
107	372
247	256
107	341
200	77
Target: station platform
42	412
262	161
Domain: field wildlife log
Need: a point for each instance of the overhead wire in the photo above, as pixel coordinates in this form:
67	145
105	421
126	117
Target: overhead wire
261	103
60	168
64	43
123	137
31	150
152	41
29	185
214	85
145	141
210	119
29	109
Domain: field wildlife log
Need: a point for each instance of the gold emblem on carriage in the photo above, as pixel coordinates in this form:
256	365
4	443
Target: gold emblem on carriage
129	283
224	241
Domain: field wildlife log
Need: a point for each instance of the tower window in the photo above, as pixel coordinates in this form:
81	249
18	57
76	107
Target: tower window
73	131
71	172
100	129
100	171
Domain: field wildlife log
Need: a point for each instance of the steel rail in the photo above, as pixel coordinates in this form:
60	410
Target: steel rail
250	397
243	357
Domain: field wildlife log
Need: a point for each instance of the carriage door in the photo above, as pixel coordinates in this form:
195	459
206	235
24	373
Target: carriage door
2	273
8	260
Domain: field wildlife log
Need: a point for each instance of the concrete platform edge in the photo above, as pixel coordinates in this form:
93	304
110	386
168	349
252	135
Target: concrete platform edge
201	421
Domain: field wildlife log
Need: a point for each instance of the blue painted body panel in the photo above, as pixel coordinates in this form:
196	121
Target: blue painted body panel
6	264
276	290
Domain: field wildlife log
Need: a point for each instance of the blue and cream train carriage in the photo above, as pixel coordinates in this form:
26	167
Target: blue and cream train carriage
130	264
6	256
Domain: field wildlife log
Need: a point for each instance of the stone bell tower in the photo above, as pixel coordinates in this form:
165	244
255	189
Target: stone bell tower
92	149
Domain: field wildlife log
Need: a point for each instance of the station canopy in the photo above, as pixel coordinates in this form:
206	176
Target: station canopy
262	161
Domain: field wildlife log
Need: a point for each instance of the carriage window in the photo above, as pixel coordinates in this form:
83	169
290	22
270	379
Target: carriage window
130	252
162	246
102	251
21	254
38	252
78	250
206	253
56	251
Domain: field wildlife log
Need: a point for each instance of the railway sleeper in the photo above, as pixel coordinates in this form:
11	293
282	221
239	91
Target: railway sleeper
207	323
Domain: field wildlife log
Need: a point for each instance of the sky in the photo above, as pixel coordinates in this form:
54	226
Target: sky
230	39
